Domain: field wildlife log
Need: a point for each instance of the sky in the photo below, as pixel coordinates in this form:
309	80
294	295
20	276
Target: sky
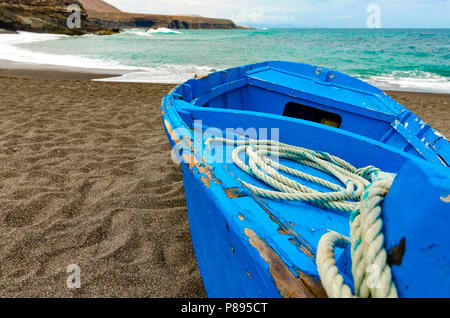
305	13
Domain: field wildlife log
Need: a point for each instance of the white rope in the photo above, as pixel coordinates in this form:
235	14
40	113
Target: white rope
369	258
362	196
265	169
332	281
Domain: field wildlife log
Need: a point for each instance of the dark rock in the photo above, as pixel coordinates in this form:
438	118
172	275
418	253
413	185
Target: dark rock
124	20
2	31
50	16
43	16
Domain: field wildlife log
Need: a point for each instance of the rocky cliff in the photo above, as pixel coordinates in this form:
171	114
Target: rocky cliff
98	5
44	16
50	16
105	15
123	20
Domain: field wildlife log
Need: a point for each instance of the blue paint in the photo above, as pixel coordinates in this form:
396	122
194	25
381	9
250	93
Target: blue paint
254	96
422	218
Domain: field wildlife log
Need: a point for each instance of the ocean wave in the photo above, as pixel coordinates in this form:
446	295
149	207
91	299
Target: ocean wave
150	32
10	50
163	30
22	37
112	53
412	80
170	74
137	32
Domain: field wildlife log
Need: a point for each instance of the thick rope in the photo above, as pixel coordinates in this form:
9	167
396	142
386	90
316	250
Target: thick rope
369	258
371	274
332	281
265	169
362	196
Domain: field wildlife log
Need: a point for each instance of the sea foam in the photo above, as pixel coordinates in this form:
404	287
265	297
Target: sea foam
413	81
163	56
10	49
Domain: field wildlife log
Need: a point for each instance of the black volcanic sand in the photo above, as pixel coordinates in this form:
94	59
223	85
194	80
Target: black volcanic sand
86	178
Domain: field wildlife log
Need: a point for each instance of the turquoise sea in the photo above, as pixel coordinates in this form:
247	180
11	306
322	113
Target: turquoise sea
400	59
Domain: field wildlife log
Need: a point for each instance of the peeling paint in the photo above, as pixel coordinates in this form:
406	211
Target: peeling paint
446	199
306	248
302	248
241	217
171	132
289	286
233	193
437	133
301	243
283	231
204	169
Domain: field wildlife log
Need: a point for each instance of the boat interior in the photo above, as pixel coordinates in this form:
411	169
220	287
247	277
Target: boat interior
309	93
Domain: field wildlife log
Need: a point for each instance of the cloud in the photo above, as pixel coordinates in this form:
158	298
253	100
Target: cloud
310	13
261	17
344	17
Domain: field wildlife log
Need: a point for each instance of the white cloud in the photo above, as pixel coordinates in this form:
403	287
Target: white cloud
255	10
328	13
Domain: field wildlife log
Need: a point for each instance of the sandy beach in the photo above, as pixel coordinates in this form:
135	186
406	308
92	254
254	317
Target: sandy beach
86	178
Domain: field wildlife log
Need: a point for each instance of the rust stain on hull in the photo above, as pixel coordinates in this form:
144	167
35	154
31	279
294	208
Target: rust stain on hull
395	255
287	283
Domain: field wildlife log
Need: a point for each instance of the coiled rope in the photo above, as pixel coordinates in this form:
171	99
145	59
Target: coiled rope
362	195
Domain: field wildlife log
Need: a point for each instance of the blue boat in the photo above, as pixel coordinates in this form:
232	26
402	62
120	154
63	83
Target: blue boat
302	181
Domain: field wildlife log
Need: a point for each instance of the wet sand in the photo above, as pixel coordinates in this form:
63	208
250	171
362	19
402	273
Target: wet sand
86	178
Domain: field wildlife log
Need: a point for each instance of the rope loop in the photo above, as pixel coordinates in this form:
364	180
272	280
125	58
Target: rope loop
343	197
361	194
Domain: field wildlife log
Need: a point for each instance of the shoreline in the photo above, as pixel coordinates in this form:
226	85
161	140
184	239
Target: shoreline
9	68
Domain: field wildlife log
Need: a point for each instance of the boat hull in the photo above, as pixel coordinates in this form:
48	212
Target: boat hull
251	247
